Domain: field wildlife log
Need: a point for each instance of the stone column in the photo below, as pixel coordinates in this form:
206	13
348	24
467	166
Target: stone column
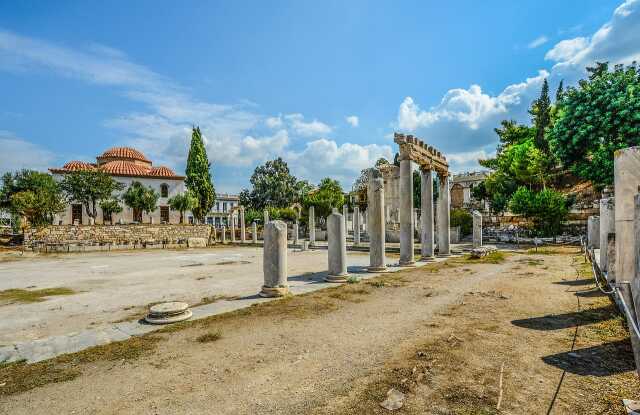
274	263
477	229
312	226
376	225
356	225
406	213
593	232
232	228
337	241
295	233
223	231
607	226
626	181
254	233
426	216
266	217
611	257
443	216
345	214
242	226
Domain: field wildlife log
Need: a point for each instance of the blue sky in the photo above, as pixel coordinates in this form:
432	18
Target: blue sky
322	84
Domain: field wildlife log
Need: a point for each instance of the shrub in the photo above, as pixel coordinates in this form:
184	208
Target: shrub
463	219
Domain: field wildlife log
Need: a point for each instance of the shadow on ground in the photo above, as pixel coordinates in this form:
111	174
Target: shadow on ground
603	360
585	281
566	320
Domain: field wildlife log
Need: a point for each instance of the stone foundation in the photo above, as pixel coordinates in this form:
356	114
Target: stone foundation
70	238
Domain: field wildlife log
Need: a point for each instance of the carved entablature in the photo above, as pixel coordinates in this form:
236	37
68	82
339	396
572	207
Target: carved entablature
427	157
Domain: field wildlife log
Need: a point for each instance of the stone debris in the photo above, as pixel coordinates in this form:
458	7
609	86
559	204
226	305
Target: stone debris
165	313
632	407
395	400
480	252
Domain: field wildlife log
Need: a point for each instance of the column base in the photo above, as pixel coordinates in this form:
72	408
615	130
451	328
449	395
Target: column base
407	264
444	255
377	269
427	258
336	278
270	292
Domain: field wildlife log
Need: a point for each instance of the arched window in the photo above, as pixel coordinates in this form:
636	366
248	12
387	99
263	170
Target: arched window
164	190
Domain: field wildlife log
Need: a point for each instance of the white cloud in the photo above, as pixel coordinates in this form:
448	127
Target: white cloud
321	158
19	154
307	129
566	49
539	41
462	123
353	120
274	122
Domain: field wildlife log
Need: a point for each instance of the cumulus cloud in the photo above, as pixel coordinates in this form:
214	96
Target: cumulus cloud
274	122
353	120
539	41
18	153
462	123
307	129
344	162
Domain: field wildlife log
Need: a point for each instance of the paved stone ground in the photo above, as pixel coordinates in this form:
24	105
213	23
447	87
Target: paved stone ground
114	290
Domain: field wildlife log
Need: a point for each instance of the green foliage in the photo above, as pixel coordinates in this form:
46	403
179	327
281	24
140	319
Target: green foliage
183	202
198	178
33	195
595	119
547	209
499	187
141	197
285	214
273	186
328	196
463	219
541	112
110	206
89	188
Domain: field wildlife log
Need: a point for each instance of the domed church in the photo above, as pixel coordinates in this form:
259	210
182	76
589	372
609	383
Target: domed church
125	165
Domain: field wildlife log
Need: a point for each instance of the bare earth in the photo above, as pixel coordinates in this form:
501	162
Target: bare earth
439	334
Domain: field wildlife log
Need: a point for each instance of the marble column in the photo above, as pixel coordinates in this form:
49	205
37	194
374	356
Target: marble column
295	233
607	226
274	265
345	214
242	226
312	226
443	216
232	229
593	232
477	229
611	258
376	223
426	216
223	232
254	233
356	225
626	182
337	242
406	213
266	217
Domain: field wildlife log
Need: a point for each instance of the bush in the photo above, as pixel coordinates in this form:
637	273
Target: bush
547	208
463	219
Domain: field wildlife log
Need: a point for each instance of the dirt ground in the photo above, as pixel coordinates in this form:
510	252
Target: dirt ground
454	338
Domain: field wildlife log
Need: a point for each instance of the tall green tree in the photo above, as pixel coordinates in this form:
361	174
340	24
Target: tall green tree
141	197
596	118
183	202
560	91
329	195
109	207
541	113
273	186
33	195
89	188
547	208
198	178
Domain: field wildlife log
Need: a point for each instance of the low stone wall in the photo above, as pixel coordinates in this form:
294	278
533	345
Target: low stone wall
68	238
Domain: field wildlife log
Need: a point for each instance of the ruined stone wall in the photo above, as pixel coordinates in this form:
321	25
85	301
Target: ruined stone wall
106	237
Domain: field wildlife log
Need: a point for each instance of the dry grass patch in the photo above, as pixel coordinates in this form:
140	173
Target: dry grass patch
209	337
18	295
494	257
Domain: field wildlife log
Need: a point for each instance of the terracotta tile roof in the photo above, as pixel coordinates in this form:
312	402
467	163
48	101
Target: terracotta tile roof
125	153
76	165
124	168
161	171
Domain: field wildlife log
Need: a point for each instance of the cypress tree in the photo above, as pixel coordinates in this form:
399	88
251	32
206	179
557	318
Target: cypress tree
541	112
560	91
198	179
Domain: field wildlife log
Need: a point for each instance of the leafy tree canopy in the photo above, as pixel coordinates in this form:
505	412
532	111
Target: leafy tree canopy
198	178
183	202
596	118
547	208
274	186
141	197
89	188
33	195
329	195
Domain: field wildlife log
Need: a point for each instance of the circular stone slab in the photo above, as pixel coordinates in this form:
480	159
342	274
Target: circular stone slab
168	309
151	319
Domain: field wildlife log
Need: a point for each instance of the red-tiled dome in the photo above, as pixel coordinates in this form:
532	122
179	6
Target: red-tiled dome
77	165
161	171
124	153
124	168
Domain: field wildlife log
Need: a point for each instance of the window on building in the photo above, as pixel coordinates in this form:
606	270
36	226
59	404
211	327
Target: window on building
217	206
164	214
137	215
76	214
209	220
224	206
190	220
164	190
